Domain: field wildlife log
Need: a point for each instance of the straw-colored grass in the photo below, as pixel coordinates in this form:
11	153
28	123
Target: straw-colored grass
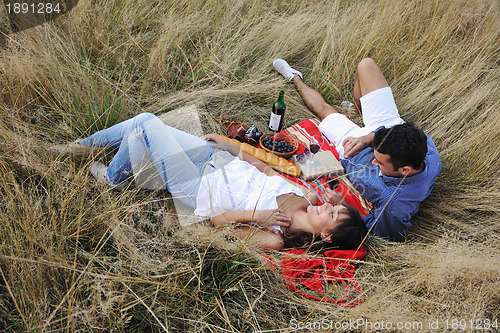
77	256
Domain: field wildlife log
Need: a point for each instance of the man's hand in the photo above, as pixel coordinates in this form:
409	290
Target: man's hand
333	197
352	146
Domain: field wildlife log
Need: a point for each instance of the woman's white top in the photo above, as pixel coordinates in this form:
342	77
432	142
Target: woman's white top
229	183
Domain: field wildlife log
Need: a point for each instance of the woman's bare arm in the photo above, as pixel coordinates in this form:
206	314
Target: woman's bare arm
264	237
236	151
261	217
261	166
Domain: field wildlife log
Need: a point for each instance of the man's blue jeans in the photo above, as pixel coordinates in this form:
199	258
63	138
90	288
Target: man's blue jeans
178	157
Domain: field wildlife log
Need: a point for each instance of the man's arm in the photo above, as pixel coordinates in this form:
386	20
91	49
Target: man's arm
383	223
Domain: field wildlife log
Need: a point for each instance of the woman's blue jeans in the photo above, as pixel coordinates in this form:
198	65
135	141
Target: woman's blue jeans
178	157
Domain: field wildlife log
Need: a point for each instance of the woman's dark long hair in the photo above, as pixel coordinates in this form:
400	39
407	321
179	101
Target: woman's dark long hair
348	235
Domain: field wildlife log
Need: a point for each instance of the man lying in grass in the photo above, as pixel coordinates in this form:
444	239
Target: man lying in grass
393	164
227	185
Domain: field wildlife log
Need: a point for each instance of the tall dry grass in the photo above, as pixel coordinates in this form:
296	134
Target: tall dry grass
75	256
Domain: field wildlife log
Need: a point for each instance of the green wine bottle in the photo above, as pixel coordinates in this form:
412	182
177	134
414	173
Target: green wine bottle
277	114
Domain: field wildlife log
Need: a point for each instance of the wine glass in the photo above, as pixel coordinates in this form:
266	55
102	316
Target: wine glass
316	142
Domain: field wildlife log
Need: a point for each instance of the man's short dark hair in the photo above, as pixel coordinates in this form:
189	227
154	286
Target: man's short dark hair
405	144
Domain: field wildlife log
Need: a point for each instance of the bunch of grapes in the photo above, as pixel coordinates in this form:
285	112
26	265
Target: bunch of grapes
277	146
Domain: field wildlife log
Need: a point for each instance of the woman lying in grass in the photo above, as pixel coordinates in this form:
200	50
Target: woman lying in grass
205	174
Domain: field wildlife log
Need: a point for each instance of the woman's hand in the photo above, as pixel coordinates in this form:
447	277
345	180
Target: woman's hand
217	142
333	197
266	217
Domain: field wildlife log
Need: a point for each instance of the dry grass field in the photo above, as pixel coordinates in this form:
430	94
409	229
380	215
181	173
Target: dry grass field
76	256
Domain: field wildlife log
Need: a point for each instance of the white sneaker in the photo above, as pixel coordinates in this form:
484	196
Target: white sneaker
100	172
284	69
